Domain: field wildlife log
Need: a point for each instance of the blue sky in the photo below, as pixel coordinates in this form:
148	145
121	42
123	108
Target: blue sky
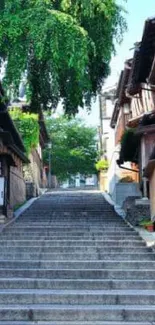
138	12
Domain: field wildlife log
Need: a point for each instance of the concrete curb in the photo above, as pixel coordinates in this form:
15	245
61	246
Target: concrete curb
24	207
18	212
108	198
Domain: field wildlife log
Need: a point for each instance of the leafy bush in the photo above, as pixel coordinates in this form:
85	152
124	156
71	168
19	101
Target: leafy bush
28	127
102	165
146	223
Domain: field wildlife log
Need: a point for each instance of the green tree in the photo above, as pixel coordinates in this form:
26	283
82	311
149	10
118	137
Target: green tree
64	46
74	148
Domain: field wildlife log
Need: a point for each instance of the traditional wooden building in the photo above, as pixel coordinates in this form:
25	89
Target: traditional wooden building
140	91
121	116
12	158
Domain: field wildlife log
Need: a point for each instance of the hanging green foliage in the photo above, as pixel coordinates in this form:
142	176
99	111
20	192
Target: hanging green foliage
28	127
63	47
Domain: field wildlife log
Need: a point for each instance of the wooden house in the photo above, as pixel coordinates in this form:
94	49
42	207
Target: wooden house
119	121
140	91
12	158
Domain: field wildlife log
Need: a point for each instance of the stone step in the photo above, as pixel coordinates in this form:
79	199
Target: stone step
68	201
77	312
66	212
47	202
66	209
77	224
72	220
78	297
83	213
75	323
77	256
77	249
70	260
34	236
51	232
78	265
77	219
74	205
34	214
85	221
73	243
47	211
51	211
73	208
67	215
81	229
72	229
79	274
76	284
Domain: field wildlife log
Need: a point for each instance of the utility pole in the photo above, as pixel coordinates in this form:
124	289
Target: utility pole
49	166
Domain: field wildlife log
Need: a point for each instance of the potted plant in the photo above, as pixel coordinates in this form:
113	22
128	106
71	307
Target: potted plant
148	225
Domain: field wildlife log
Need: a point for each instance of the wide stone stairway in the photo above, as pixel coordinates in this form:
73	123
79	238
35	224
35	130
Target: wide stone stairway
70	260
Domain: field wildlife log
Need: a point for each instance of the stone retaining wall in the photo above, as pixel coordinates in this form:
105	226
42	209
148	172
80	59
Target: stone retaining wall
123	191
136	213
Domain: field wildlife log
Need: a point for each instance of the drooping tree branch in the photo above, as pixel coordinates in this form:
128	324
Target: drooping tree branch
65	47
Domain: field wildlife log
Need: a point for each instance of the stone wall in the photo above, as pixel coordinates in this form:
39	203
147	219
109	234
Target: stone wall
136	210
124	190
17	187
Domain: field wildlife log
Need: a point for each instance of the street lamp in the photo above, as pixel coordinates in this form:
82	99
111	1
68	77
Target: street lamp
49	162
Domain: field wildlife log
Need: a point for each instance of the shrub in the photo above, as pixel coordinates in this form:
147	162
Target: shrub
102	165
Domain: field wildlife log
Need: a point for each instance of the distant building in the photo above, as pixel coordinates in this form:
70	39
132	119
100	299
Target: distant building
81	181
106	133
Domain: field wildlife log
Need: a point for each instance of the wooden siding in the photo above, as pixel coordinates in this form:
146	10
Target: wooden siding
120	127
127	117
5	150
143	102
147	146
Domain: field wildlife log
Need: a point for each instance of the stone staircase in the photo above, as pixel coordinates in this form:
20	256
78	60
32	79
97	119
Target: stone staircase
70	260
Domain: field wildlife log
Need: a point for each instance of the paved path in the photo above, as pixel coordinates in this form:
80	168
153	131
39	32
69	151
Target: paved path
70	260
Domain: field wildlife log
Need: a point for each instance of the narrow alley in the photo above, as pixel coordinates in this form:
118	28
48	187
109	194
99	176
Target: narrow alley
70	260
